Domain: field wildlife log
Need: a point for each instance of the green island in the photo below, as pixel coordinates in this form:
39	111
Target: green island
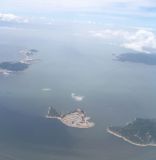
140	132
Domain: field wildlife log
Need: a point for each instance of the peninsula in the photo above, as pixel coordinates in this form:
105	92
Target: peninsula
140	132
77	118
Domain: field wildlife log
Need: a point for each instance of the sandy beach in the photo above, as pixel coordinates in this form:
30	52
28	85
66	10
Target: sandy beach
127	140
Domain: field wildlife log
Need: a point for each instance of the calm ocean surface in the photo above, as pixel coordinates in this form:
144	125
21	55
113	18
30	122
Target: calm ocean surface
115	93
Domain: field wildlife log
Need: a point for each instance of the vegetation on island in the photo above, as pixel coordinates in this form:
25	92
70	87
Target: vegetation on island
14	66
148	59
140	131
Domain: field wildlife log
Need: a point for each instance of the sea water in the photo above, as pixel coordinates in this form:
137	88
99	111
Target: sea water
71	62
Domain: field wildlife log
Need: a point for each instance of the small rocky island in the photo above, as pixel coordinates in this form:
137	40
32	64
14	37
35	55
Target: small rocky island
77	118
9	66
140	132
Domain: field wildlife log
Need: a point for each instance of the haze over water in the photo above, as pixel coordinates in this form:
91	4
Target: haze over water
115	93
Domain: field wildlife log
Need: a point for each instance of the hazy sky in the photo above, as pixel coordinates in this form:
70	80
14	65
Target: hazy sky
131	22
89	10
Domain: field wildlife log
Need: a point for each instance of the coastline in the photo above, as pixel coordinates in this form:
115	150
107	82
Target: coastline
89	125
76	126
50	117
129	141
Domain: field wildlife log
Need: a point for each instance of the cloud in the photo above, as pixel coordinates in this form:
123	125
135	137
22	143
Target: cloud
77	4
58	4
92	11
77	97
122	6
46	89
9	17
140	40
109	33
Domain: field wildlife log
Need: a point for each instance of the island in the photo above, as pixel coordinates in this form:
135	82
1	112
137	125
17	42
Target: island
28	52
8	67
77	118
13	66
34	50
140	132
28	56
139	57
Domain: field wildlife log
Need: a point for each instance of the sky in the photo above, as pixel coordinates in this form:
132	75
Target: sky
86	10
130	21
